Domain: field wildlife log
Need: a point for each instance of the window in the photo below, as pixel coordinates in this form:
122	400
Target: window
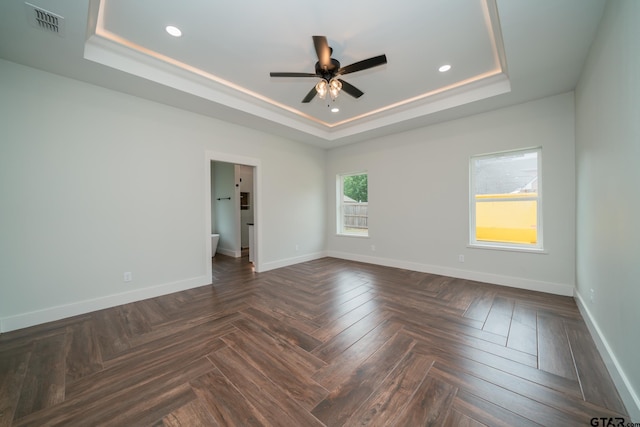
353	204
506	201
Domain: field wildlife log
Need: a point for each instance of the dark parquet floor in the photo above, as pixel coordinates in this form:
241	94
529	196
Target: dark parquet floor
323	343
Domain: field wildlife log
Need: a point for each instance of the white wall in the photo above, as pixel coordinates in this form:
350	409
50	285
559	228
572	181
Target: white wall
94	183
608	186
419	196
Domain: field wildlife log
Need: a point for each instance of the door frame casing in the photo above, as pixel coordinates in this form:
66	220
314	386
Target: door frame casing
215	156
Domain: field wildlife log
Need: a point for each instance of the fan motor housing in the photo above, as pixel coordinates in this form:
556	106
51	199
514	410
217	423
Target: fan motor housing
329	72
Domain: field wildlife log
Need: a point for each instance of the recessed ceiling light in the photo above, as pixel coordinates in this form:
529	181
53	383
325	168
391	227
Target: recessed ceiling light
174	31
335	109
444	68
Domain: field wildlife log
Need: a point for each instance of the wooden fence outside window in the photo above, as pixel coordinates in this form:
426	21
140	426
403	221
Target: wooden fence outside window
356	215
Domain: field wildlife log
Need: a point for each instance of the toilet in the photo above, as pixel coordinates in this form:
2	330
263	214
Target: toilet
214	244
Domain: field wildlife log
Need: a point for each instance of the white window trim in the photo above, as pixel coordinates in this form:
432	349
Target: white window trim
516	247
340	205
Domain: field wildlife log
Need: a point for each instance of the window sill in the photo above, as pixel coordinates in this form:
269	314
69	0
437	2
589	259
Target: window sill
507	248
359	236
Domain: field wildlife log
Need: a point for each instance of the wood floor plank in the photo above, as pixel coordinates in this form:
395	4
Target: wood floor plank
13	369
554	353
174	329
523	332
265	394
111	332
82	354
272	343
339	369
225	403
455	297
458	419
486	413
44	381
393	394
436	283
597	385
335	346
302	324
480	307
151	311
340	308
193	414
27	336
429	405
341	323
550	305
338	406
292	335
150	409
499	319
418	301
297	383
134	320
281	297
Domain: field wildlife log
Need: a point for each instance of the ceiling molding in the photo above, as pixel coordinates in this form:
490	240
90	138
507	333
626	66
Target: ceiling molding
544	42
105	47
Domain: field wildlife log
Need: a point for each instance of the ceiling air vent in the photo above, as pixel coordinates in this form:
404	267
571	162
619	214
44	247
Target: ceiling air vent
45	20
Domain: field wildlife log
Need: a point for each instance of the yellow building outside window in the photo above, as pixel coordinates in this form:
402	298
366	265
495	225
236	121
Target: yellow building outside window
506	199
507	218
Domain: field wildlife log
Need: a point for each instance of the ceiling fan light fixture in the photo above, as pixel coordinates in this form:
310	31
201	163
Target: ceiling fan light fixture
334	88
329	71
322	88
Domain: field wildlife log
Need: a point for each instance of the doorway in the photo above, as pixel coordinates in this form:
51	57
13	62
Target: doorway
237	209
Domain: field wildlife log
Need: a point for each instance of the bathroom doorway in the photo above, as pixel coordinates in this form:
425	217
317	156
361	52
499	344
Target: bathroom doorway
233	202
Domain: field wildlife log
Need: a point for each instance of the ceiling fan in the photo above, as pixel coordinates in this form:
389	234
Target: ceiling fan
329	72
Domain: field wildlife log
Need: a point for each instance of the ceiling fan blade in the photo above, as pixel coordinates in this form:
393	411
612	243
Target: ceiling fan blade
351	89
310	95
363	65
279	74
323	51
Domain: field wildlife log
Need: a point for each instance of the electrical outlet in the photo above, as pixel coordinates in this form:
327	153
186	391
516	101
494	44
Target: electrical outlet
592	295
373	248
128	276
297	247
460	258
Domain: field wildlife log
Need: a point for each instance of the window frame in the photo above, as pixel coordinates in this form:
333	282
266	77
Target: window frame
340	204
522	247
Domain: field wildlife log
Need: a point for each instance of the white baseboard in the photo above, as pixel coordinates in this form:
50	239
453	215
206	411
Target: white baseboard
514	282
25	320
266	266
628	395
229	252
